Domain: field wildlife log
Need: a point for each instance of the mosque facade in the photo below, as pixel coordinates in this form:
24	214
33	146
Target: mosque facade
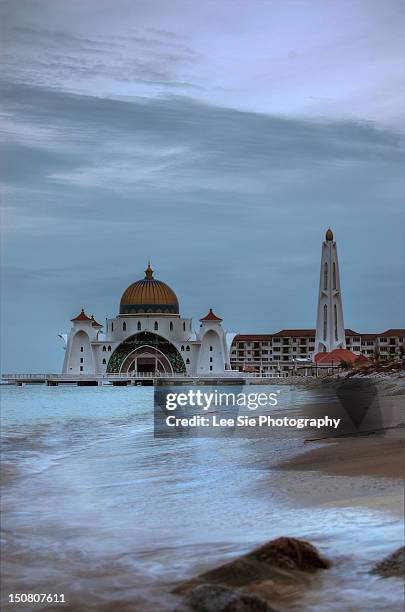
148	335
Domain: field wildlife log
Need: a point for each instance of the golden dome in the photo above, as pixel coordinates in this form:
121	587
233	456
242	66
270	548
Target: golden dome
149	296
329	234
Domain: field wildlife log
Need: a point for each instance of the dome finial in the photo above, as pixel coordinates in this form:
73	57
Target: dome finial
329	235
149	272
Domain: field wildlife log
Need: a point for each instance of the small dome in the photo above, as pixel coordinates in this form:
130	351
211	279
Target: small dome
149	296
329	235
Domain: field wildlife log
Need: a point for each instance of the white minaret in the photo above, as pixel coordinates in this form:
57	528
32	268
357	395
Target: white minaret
330	329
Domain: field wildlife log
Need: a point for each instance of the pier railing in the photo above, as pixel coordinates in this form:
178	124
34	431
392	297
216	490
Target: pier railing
134	376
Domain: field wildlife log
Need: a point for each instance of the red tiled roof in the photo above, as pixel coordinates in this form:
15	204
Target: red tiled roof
335	357
253	338
350	332
211	317
81	317
287	333
294	332
307	332
94	322
393	332
362	359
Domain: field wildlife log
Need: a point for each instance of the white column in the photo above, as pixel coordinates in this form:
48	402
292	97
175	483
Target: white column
330	331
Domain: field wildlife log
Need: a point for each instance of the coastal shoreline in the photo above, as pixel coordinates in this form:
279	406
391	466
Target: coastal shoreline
363	471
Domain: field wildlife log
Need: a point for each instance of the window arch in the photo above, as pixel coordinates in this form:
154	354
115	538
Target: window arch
104	361
112	326
109	348
187	348
187	360
171	325
104	349
334	275
139	326
124	326
336	321
156	326
184	326
182	347
325	276
211	348
325	321
81	349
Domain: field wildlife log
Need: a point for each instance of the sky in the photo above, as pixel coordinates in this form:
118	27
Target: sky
218	139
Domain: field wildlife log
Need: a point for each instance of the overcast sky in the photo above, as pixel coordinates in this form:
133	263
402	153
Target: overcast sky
218	139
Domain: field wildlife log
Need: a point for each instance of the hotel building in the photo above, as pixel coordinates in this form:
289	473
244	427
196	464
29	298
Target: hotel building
289	348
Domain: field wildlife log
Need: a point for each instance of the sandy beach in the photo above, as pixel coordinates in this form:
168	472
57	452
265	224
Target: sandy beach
366	471
374	456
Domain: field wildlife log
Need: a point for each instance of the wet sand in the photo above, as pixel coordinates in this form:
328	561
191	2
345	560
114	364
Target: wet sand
362	456
365	471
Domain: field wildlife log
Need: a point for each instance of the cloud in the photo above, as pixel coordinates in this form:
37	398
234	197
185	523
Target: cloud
336	59
228	201
152	57
176	167
182	147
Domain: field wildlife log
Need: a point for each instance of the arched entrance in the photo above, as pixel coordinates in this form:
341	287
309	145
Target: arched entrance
146	352
146	359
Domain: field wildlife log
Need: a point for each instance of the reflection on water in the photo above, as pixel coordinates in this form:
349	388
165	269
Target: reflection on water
96	508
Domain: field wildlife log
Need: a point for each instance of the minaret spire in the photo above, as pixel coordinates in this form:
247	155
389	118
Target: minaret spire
330	331
149	272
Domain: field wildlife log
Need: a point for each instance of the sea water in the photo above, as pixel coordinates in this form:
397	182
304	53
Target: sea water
96	508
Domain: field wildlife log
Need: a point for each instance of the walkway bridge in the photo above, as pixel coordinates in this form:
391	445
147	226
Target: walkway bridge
137	379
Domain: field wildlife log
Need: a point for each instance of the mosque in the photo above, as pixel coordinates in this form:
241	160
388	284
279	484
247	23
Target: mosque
148	335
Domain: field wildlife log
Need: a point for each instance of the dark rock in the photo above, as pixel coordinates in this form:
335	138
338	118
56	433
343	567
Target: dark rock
277	570
290	553
216	598
393	565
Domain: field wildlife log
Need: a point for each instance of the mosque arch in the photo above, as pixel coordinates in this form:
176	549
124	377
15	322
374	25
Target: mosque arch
336	321
211	352
146	352
146	358
81	352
